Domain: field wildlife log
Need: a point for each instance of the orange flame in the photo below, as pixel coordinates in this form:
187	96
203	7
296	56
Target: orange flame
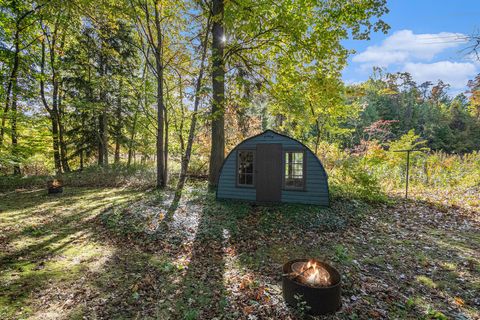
312	273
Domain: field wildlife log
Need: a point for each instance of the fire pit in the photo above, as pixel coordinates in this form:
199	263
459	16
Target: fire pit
55	186
313	282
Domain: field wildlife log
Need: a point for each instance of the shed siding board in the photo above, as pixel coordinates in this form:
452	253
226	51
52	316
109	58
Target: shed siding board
316	185
227	182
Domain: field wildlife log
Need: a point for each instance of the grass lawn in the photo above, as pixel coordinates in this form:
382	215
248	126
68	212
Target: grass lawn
112	254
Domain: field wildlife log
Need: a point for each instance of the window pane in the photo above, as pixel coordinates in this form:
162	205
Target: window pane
294	169
245	167
249	167
297	169
298	157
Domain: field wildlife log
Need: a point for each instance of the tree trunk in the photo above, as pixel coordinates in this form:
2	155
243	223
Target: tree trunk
63	146
81	160
161	181
165	151
217	152
118	127
52	110
132	139
102	121
16	166
100	145
193	123
103	139
56	144
117	151
12	82
61	136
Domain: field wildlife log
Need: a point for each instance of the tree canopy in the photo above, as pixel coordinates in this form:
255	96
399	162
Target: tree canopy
179	82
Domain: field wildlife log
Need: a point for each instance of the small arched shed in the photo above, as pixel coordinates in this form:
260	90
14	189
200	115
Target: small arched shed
272	167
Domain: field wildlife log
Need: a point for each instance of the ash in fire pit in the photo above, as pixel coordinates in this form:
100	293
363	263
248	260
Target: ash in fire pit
317	283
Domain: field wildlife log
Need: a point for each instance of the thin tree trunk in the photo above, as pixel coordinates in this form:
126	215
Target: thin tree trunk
318	129
81	160
53	109
118	127
56	144
117	151
81	146
193	123
63	146
16	63
217	152
165	152
102	121
12	81
132	139
16	166
100	144
61	136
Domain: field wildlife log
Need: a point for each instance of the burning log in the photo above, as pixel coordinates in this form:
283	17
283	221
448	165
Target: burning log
317	283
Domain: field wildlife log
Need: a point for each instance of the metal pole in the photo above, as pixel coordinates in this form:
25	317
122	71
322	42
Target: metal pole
408	168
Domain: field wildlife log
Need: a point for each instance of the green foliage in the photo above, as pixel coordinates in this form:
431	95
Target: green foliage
342	255
446	123
351	176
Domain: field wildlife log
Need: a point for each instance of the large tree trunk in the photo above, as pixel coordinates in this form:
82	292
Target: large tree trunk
54	117
217	152
56	144
102	120
61	135
161	179
63	146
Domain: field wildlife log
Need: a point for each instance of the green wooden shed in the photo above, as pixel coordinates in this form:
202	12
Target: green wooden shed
272	167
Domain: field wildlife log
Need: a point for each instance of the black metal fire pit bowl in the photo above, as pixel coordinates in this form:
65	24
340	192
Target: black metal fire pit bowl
320	300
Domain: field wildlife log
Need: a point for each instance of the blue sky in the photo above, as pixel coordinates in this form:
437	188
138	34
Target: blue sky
427	38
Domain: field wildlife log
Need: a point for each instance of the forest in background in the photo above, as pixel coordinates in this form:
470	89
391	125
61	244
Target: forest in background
174	85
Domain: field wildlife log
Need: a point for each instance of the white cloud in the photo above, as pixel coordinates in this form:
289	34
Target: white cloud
473	58
456	74
404	46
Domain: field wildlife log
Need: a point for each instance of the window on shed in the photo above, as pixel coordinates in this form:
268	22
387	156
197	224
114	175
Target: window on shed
294	170
245	168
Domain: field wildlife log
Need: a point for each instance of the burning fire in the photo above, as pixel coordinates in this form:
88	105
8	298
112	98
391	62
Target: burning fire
55	183
311	273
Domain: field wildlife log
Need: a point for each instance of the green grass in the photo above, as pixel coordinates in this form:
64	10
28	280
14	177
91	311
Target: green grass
87	253
138	176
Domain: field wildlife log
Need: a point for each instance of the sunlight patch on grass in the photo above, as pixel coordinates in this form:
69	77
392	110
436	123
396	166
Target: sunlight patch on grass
426	281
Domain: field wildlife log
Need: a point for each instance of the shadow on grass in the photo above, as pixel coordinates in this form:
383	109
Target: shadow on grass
42	230
172	276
